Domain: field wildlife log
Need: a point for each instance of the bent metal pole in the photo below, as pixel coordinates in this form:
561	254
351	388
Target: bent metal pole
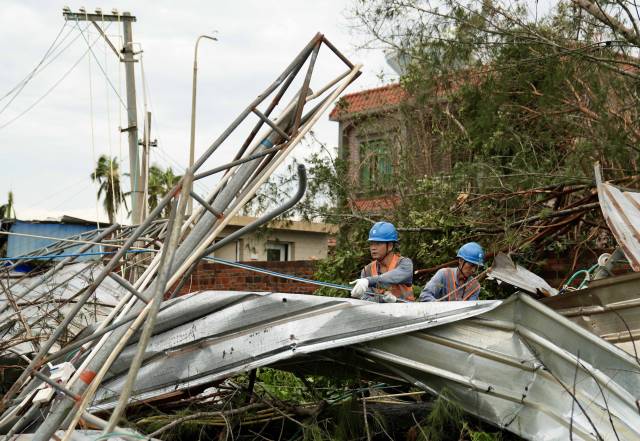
238	188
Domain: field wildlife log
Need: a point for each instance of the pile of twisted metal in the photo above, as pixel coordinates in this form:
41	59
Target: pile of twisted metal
542	371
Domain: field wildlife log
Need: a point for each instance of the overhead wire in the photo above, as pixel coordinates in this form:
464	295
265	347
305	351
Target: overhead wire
112	160
168	159
22	83
120	68
145	136
57	192
51	89
106	76
92	138
53	58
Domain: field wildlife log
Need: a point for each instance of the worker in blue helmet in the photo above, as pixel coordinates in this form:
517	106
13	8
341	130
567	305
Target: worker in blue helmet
457	283
389	276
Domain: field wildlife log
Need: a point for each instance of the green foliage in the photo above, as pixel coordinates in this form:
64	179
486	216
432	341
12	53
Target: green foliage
448	422
160	183
282	385
107	175
8	211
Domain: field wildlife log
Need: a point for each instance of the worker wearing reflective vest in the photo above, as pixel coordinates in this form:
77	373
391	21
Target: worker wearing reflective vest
457	283
389	275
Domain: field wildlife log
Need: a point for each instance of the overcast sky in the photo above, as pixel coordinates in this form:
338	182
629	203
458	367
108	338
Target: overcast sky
49	152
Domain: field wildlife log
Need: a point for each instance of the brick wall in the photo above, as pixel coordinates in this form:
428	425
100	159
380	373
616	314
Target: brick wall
216	276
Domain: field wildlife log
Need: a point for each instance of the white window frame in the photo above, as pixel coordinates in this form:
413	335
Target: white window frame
283	247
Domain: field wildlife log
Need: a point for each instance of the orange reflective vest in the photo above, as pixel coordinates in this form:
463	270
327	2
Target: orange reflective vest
462	292
404	292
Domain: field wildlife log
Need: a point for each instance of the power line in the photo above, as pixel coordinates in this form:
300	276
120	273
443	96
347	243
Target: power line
49	62
51	89
100	65
22	83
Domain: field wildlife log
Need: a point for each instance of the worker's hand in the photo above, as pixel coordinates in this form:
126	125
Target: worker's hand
389	298
360	288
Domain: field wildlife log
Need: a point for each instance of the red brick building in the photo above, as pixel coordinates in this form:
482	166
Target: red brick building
375	140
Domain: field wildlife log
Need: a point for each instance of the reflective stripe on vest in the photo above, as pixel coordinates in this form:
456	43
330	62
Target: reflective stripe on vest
456	293
404	292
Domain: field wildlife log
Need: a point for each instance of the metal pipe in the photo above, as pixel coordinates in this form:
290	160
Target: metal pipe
128	286
297	61
67	393
194	83
205	204
198	239
71	314
335	50
67	260
305	87
231	164
270	123
175	222
302	187
274	102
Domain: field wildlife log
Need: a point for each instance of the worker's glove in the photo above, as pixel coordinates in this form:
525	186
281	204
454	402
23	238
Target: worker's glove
389	298
360	288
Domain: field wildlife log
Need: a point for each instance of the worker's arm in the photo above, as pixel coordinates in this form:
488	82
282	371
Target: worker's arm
434	287
402	274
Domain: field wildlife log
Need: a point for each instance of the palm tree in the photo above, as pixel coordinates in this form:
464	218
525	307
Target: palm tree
7	211
107	174
160	183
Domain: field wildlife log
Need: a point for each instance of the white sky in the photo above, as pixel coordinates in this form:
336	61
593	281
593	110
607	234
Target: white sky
48	154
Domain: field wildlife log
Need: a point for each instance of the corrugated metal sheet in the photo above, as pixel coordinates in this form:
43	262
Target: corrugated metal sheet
215	334
621	211
609	308
526	369
505	270
44	302
21	245
516	364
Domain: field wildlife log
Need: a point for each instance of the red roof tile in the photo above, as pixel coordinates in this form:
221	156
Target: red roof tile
376	205
367	100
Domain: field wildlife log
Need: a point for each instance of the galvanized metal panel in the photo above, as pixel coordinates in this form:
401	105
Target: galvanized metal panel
505	270
515	364
517	367
621	211
609	308
46	304
256	329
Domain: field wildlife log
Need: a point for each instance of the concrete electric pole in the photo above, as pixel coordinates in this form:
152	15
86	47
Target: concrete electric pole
126	56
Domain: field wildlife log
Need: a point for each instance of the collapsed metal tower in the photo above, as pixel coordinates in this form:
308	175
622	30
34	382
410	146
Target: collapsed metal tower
149	259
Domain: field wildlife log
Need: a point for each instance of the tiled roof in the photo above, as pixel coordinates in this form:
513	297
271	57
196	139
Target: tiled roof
368	100
376	205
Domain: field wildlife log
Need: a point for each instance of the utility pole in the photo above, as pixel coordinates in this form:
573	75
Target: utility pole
126	56
146	145
193	112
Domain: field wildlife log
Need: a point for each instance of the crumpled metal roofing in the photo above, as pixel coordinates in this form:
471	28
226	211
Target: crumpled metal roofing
505	270
43	303
609	308
621	211
516	364
215	334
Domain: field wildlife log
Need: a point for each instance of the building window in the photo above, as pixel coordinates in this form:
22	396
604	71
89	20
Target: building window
375	164
277	252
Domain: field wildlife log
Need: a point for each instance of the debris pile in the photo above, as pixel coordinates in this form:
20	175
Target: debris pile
97	343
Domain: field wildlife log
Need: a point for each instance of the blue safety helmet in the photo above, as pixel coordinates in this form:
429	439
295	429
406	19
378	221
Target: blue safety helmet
383	232
472	252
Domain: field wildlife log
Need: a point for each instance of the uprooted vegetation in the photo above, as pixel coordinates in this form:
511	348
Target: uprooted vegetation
284	406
